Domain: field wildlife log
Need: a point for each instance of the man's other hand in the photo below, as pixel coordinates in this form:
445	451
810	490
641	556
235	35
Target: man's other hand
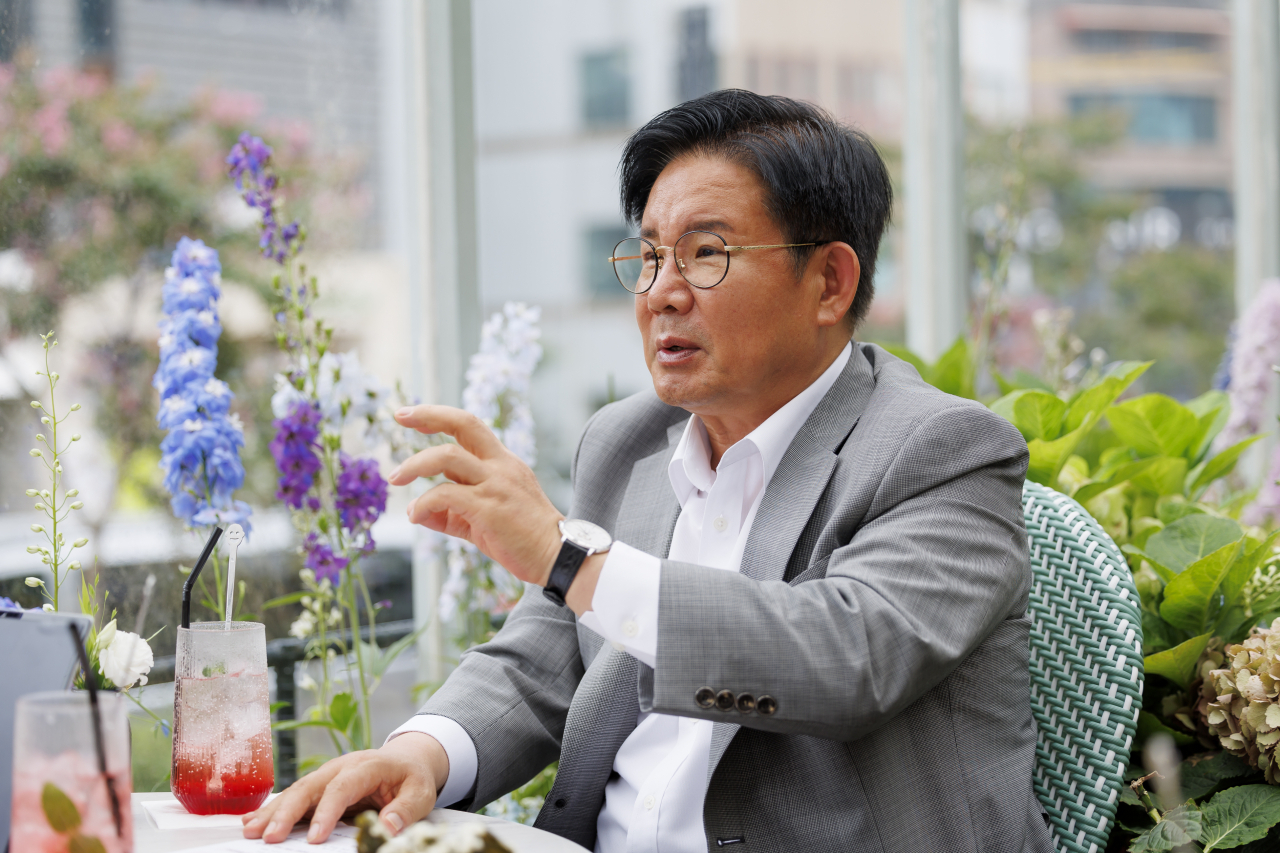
494	500
401	780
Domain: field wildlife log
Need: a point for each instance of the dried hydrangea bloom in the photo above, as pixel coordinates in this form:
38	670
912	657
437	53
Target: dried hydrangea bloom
1239	698
425	837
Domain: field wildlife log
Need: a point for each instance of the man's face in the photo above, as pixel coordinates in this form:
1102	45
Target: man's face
726	352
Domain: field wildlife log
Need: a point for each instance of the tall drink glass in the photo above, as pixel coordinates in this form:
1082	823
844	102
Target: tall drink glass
222	761
60	800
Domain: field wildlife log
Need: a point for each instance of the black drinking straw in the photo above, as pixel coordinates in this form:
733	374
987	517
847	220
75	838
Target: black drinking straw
191	578
91	682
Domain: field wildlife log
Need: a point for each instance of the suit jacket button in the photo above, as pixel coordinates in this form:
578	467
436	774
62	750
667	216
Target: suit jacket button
705	697
766	705
746	703
724	700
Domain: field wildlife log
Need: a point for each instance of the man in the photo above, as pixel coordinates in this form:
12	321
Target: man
801	626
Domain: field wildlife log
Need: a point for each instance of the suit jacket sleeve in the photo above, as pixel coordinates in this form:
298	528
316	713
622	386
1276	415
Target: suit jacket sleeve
916	582
512	694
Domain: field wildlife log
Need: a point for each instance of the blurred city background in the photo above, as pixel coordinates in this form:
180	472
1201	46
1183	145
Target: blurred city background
1068	173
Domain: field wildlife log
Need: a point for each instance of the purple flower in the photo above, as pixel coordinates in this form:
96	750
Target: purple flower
361	493
9	605
321	560
249	165
294	449
249	155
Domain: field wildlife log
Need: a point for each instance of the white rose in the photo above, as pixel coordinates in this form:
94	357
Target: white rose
114	652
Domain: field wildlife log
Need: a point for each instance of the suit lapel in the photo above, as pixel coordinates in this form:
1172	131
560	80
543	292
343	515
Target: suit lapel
794	491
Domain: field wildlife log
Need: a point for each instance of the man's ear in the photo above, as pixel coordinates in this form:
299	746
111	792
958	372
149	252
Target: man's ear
838	265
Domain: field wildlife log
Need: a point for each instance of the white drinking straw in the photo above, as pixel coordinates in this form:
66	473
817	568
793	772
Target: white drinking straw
235	535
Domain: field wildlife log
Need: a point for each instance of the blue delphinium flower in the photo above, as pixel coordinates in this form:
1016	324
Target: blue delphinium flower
201	453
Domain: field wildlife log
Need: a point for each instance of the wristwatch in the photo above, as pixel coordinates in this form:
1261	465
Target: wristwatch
578	540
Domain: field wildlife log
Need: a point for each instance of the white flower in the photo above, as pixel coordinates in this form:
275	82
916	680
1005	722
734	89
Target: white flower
285	396
304	626
125	658
306	682
345	391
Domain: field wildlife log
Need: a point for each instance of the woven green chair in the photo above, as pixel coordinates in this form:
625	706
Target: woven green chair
1086	668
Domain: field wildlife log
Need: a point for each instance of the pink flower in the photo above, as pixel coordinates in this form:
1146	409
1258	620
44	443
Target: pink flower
51	124
118	137
232	109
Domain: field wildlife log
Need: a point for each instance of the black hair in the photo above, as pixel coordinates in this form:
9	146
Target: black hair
823	181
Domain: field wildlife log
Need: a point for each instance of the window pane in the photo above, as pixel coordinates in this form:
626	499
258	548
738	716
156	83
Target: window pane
599	242
605	88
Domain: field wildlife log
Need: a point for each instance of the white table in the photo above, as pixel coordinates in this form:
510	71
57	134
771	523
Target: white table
148	839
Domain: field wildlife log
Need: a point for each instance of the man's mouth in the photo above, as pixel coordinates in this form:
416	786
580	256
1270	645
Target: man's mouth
673	350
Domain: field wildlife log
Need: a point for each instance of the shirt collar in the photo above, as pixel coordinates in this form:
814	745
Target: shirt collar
690	467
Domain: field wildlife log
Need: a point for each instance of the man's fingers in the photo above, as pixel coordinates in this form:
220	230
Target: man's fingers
274	821
469	430
348	788
414	802
454	461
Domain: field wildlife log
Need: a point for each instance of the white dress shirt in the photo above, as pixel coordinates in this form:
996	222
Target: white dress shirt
655	801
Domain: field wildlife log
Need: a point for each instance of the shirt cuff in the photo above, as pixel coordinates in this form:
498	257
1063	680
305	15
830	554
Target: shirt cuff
624	607
457	745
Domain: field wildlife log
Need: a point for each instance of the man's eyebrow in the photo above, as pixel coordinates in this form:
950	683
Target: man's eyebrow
650	233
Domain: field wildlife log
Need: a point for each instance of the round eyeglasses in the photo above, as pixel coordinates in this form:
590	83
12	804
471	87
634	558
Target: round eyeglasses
702	258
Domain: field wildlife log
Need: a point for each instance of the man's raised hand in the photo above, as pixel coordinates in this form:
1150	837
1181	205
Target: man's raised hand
493	500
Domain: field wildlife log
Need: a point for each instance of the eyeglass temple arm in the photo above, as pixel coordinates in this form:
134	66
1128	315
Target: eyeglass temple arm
775	246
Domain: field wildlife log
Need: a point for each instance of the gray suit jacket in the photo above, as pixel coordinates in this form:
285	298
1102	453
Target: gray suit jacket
881	603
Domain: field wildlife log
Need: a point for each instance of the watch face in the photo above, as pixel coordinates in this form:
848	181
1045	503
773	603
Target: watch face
586	534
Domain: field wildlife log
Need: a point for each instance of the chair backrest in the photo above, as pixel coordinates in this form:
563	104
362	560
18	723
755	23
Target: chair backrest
1086	667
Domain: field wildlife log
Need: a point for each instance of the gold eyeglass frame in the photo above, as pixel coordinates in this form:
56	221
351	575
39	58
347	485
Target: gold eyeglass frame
659	250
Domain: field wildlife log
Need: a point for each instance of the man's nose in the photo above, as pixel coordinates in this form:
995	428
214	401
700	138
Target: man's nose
670	291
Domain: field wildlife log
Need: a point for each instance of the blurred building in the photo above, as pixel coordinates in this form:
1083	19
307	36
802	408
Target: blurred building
559	86
1163	69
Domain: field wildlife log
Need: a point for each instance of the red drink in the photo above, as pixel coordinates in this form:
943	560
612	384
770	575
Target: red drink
222	761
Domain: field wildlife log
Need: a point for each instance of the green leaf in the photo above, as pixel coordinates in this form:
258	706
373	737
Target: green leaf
1188	539
62	814
1211	409
1177	664
1154	425
85	844
1180	826
1242	571
1036	414
954	371
291	598
1218	466
1096	398
1239	815
1120	475
1191	599
1149	724
1021	379
1166	574
1048	457
1200	774
393	651
1164	476
342	710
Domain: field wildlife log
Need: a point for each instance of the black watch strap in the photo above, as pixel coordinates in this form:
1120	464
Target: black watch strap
565	569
